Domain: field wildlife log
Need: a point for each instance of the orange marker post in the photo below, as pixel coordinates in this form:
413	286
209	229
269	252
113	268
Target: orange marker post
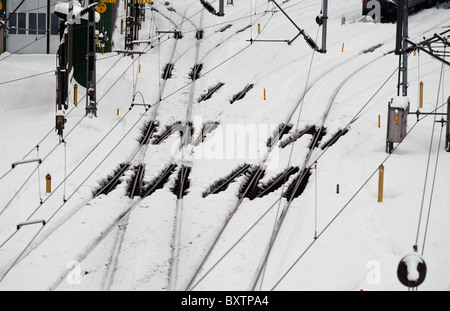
48	183
75	95
381	184
117	111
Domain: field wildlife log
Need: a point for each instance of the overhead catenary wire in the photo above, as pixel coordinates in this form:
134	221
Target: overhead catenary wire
194	276
51	151
194	285
27	77
277	201
278	218
45	72
27	179
63	182
176	91
57	210
217	66
333	220
428	163
22	48
6	173
209	251
52	129
427	222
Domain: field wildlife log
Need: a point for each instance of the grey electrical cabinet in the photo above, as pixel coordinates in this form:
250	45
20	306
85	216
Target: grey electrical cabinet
397	121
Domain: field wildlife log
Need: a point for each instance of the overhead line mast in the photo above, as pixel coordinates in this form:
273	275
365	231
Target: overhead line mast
400	108
402	46
91	83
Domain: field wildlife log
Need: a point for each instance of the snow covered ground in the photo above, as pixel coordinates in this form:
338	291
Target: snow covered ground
157	243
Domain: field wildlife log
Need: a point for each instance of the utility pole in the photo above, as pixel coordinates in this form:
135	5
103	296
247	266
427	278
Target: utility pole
435	46
399	107
70	25
324	26
133	23
48	26
221	8
62	82
405	46
402	46
91	84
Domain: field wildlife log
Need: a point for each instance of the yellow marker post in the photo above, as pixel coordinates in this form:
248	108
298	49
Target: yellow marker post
139	68
75	95
396	116
343	44
381	184
259	29
264	94
48	180
379	121
421	96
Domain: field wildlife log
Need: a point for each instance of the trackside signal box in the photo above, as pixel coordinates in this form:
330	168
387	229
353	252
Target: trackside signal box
397	121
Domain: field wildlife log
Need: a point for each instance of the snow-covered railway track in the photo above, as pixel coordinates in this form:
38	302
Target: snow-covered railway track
135	159
295	175
299	177
109	280
309	161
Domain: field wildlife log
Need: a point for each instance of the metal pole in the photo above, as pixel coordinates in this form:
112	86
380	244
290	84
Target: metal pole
70	25
137	20
221	8
389	144
405	47
447	137
48	26
324	26
398	41
91	98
